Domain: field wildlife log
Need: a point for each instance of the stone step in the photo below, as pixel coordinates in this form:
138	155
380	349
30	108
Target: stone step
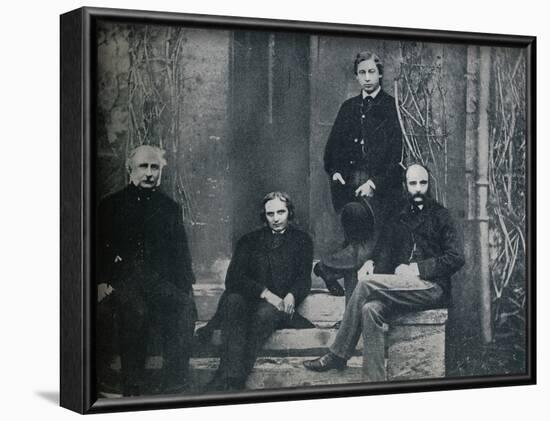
284	342
315	341
319	307
288	372
414	351
275	373
268	373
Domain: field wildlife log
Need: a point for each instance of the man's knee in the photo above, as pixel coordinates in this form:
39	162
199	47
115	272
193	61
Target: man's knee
131	307
265	313
265	318
234	305
372	313
183	312
364	287
182	302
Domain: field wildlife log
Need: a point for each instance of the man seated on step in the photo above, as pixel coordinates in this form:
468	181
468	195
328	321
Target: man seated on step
144	273
422	248
269	276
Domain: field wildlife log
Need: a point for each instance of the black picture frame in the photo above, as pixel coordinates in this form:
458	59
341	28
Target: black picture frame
77	388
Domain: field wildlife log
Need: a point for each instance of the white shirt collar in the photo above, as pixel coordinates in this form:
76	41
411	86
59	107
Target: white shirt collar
373	95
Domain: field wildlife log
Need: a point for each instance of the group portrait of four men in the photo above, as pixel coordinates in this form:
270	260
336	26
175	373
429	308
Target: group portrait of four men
391	225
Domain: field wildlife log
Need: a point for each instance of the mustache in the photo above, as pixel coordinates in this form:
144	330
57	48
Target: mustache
414	196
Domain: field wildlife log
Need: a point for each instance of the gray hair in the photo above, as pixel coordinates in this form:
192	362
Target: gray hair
155	149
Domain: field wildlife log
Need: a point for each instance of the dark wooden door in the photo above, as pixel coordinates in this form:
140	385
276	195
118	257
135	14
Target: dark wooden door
270	106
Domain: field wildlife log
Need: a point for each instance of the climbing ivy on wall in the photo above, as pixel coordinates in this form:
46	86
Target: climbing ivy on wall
156	82
507	187
419	92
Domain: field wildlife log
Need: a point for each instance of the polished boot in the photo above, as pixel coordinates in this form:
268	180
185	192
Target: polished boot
330	279
326	362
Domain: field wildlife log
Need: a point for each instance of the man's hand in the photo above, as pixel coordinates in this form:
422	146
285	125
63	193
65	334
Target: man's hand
103	290
288	304
407	271
338	177
366	269
365	190
273	299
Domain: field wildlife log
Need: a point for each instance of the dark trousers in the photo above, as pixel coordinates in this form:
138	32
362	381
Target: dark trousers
246	326
137	314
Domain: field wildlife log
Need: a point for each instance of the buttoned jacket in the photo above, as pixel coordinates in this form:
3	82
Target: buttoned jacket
281	264
366	139
141	235
427	237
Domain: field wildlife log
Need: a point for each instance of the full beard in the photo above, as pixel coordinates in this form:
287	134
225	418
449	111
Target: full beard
417	199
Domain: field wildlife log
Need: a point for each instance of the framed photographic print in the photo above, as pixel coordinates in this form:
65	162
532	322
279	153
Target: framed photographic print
258	210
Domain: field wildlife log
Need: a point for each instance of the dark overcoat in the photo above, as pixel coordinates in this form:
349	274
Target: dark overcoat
141	239
281	264
427	237
365	143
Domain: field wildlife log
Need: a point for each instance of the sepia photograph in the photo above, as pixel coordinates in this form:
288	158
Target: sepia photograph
283	210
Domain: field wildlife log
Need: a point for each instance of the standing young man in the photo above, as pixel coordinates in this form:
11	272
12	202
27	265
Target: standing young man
363	152
362	159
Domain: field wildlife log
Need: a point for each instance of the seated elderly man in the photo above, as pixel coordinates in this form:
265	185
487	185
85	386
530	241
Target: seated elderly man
144	275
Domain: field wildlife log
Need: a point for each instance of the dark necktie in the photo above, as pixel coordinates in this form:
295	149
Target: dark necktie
276	240
367	103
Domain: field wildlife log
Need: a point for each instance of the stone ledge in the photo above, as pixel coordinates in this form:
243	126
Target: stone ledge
319	307
276	373
314	342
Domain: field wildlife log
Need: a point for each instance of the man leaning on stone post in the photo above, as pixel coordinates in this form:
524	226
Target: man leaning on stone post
421	248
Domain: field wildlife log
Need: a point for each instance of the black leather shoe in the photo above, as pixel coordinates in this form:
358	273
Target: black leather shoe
175	388
331	280
326	362
235	384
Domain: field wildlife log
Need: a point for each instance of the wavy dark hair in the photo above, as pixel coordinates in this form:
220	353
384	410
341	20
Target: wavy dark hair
283	197
367	55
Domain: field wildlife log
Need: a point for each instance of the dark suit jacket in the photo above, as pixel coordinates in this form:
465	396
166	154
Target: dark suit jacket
141	239
258	264
376	159
427	237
